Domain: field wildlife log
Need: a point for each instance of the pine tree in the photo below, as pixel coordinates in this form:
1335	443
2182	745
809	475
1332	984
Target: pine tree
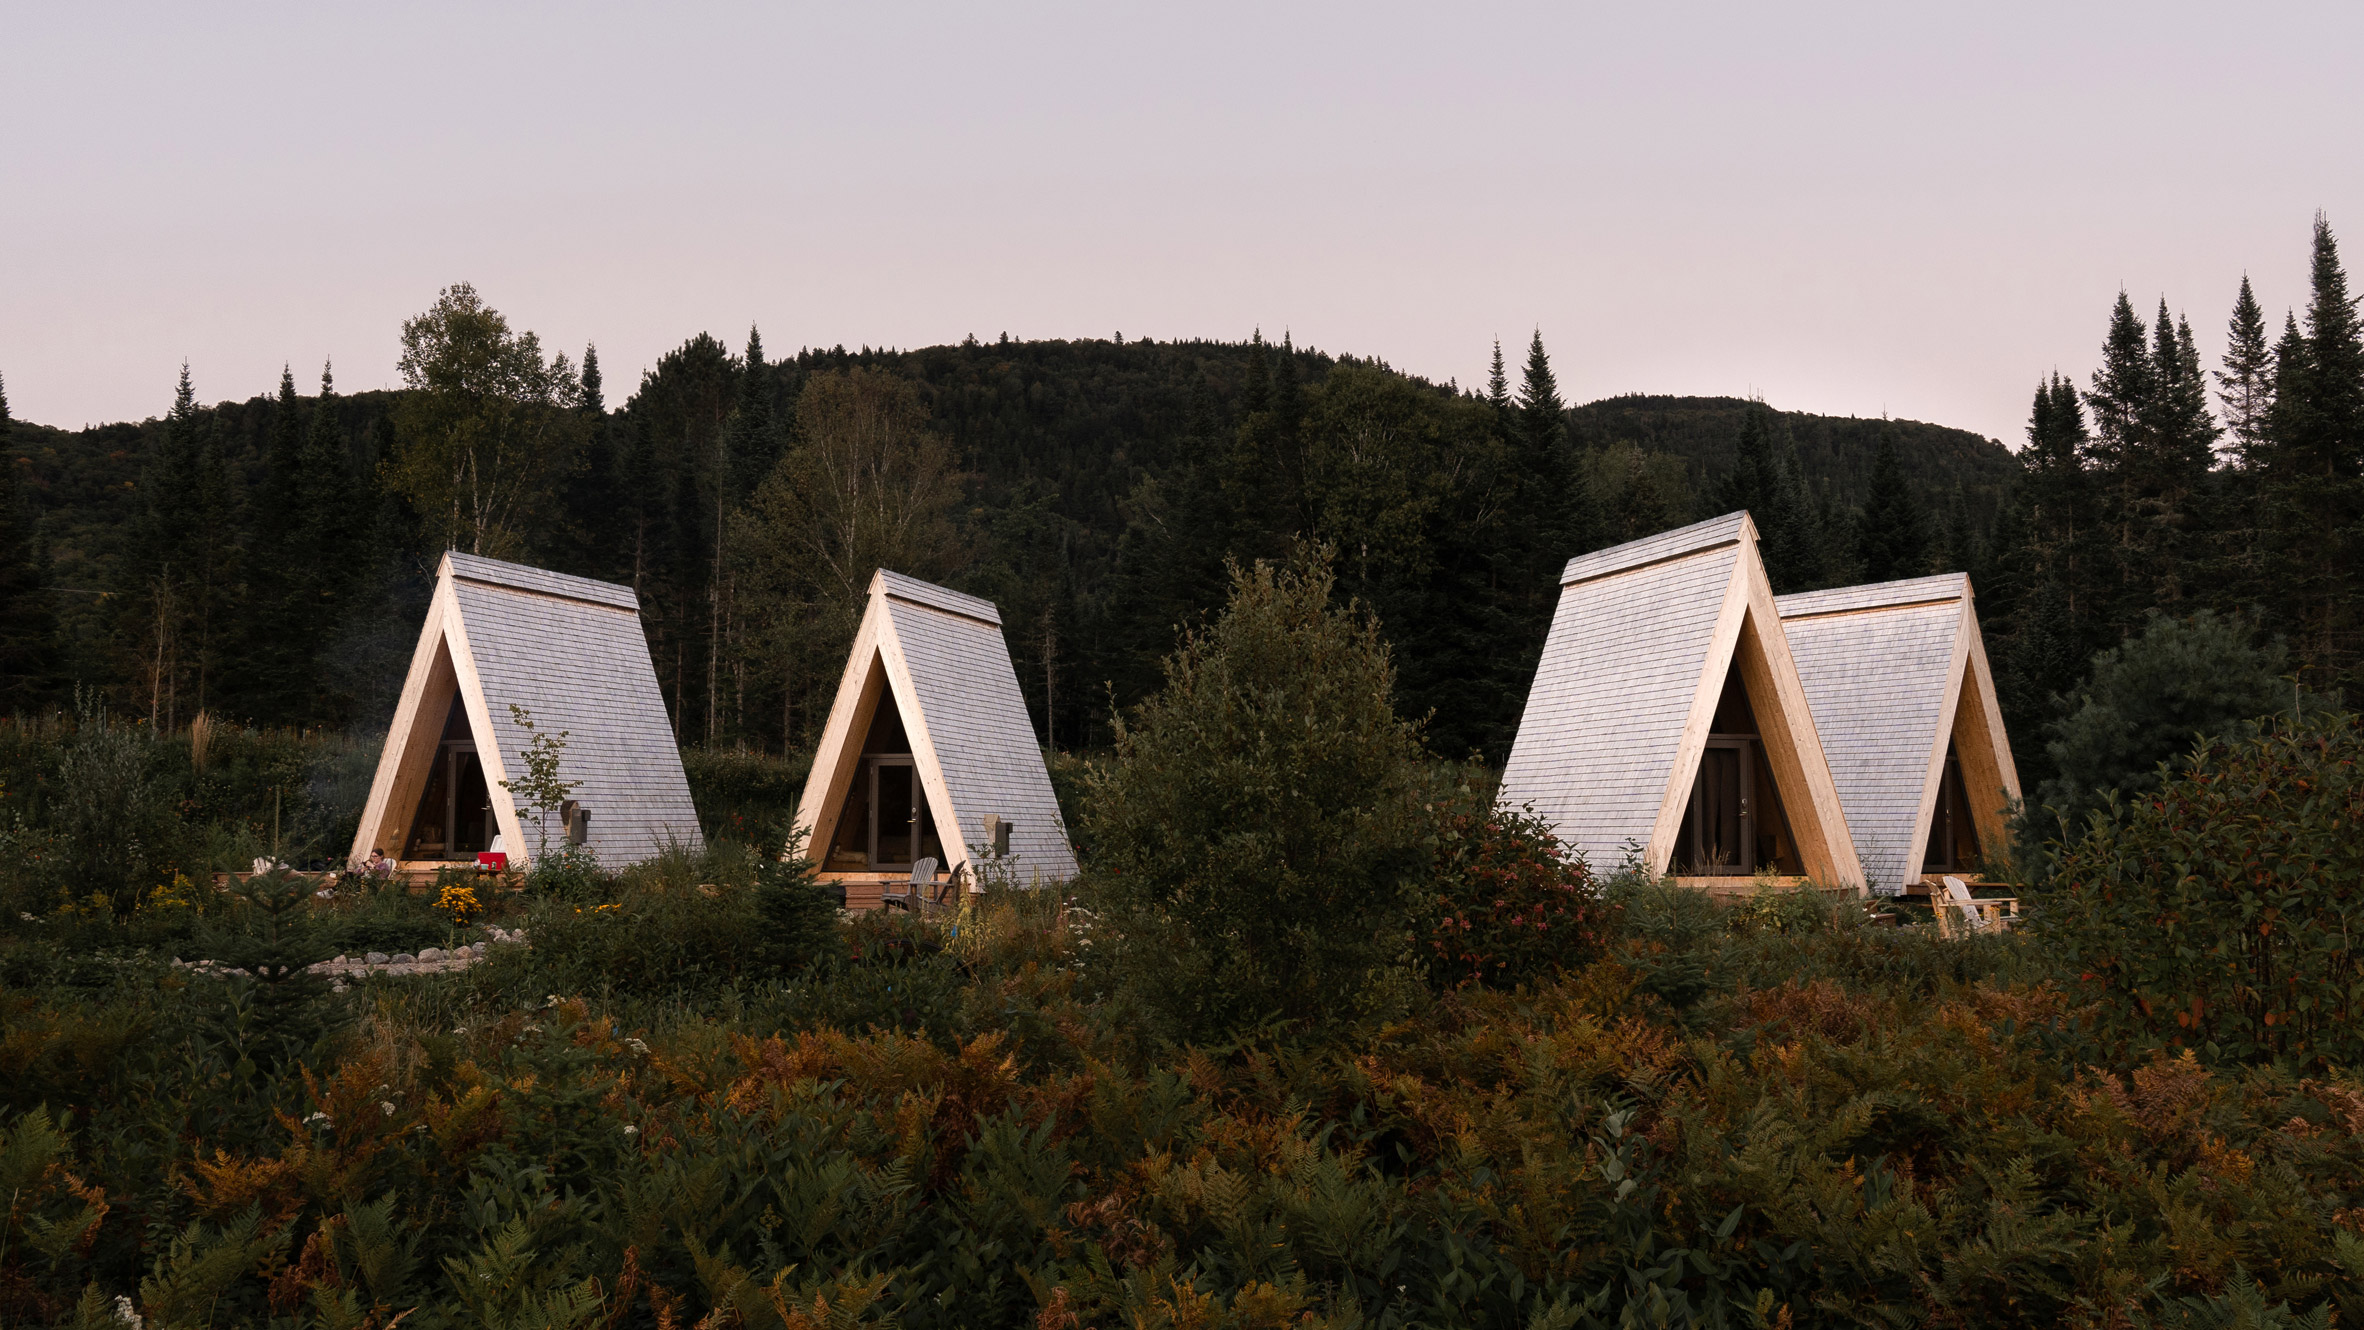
2313	477
1557	502
593	401
1498	382
167	573
336	532
2246	383
28	622
1893	540
1541	413
1764	482
276	661
2045	587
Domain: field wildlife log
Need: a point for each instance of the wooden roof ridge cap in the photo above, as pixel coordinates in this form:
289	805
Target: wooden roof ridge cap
464	567
1903	593
1605	574
927	595
1665	547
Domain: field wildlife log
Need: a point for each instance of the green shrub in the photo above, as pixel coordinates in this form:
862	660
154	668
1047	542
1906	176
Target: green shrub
567	872
116	825
2217	912
1258	831
2142	704
1509	904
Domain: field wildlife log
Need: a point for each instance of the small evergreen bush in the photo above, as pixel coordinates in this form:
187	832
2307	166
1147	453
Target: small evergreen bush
1258	834
2142	704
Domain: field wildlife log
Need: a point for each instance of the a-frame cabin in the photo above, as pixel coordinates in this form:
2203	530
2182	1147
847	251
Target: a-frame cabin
1904	699
927	740
572	653
1667	721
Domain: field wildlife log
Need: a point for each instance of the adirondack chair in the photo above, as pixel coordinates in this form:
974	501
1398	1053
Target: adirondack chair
1959	914
923	874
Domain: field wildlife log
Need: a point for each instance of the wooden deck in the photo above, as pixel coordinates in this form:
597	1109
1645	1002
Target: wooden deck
865	890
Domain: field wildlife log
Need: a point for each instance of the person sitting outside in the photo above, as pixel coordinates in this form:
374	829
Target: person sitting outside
378	866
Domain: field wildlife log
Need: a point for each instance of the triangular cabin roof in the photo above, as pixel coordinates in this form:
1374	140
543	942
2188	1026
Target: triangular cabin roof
1894	670
1641	646
940	655
570	651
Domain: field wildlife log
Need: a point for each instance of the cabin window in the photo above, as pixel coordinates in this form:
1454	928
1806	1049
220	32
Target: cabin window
1953	835
885	823
1735	824
454	818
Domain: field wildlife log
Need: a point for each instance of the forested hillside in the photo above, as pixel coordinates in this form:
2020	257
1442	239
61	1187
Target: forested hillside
266	560
1093	488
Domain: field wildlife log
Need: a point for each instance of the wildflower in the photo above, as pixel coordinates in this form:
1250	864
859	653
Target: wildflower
125	1315
636	1046
630	1130
321	1118
533	1029
389	1107
459	1029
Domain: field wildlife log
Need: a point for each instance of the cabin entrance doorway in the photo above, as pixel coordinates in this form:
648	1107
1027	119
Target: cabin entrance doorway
454	818
1953	837
1734	825
886	824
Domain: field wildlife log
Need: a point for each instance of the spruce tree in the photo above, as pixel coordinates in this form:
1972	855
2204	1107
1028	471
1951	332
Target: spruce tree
2312	482
1541	413
336	532
1764	482
164	576
28	622
1498	383
273	656
593	401
1893	539
1556	504
2246	383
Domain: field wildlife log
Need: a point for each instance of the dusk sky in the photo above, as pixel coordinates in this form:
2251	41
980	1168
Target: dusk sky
1847	209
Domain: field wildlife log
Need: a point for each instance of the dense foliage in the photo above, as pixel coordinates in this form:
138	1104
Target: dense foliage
1768	1116
2215	911
1507	905
2142	702
1258	829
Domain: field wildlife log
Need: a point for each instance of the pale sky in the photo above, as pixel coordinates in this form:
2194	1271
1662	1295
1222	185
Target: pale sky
1852	209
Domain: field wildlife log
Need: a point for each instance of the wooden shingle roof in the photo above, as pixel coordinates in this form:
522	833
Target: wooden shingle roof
1888	668
1642	640
942	654
572	653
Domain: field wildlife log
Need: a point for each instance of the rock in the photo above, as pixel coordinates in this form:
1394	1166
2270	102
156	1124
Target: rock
403	958
378	958
431	953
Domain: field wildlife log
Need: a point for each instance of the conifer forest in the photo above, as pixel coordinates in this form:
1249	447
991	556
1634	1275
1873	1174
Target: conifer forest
1321	1035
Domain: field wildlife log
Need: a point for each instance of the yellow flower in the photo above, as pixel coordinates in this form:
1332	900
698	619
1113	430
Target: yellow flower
459	902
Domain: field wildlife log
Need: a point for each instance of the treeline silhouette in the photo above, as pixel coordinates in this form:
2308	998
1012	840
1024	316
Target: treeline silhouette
267	560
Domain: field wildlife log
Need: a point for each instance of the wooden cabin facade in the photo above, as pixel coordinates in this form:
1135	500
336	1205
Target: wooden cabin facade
1897	675
570	651
1667	720
928	754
